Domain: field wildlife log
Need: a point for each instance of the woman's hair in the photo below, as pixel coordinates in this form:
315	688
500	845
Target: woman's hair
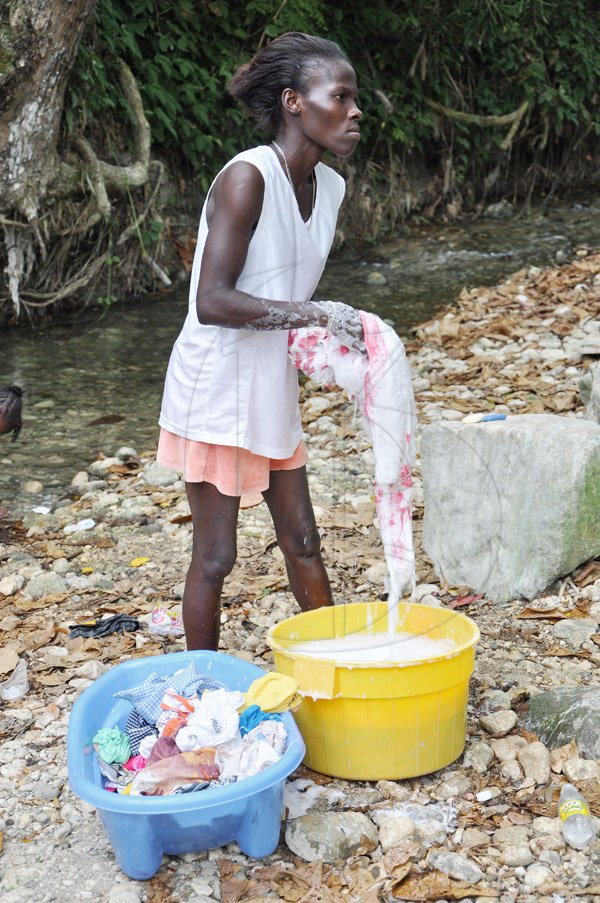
286	62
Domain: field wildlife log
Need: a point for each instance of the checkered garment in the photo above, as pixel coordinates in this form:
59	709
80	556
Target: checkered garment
146	697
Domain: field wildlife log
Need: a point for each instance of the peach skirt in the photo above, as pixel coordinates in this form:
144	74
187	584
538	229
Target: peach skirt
234	471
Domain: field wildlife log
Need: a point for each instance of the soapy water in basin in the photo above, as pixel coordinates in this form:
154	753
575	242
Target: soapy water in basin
360	648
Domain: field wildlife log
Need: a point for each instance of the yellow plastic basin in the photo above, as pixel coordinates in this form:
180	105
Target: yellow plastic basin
384	720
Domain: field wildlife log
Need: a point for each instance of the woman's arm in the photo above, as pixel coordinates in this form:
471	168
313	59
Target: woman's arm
233	210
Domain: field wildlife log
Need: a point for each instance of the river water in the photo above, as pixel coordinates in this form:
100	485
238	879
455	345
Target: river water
113	364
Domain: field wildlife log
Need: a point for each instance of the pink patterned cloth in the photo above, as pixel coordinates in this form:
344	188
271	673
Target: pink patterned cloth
380	384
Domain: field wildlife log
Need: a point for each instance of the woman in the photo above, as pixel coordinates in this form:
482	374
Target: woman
230	419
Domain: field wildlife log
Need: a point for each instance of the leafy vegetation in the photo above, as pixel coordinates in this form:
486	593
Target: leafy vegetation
422	65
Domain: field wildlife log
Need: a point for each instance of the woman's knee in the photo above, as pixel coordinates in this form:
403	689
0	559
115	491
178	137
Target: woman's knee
300	542
216	562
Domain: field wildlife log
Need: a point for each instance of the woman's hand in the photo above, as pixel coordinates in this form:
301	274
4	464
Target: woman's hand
344	322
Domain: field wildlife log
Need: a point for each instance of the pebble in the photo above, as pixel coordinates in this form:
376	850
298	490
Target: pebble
100	467
430	832
479	756
394	831
454	784
511	771
507	747
455	865
128	893
80	479
32	487
331	835
545	825
499	723
45	584
514	856
474	837
536	875
376	278
11	584
576	770
490	793
393	791
514	835
574	631
535	759
46	791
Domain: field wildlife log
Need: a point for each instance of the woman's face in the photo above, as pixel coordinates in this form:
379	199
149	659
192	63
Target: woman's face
328	110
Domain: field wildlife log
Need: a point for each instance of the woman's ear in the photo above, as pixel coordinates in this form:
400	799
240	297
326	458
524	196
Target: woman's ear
290	101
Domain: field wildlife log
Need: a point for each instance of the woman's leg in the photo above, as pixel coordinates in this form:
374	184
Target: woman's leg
214	518
289	502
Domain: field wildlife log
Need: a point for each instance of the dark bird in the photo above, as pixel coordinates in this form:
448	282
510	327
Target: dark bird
11	405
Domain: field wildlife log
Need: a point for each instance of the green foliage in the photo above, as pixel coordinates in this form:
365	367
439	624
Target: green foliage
478	56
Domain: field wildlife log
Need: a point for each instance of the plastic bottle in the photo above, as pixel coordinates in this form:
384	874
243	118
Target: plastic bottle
577	824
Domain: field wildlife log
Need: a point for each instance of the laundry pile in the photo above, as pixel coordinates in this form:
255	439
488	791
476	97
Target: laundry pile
186	732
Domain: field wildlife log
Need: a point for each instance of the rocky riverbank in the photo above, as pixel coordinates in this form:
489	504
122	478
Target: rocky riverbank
119	542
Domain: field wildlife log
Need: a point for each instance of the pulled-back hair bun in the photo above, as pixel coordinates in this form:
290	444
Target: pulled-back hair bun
286	62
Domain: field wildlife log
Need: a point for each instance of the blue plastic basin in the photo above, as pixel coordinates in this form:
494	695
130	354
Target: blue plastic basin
142	829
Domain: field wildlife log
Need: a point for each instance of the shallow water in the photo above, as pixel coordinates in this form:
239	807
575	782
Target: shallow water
114	365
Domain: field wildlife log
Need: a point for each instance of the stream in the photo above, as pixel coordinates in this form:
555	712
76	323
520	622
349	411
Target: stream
112	365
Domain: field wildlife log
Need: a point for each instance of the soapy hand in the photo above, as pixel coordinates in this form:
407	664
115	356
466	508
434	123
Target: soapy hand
344	322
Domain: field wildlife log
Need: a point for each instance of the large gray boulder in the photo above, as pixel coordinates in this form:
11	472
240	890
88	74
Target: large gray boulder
567	713
589	390
511	505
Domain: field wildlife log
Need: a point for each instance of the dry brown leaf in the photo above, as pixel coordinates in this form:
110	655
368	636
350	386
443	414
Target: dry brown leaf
565	652
290	886
125	470
549	614
303	772
49	680
34	639
24	604
436	886
9	659
396	861
559	889
518	818
234	883
562	754
588	574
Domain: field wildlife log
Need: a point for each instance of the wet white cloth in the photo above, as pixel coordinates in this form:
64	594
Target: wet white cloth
214	721
380	383
261	747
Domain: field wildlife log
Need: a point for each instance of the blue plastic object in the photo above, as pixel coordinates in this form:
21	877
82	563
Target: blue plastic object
142	829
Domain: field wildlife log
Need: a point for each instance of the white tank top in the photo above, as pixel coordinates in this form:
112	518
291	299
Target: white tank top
235	386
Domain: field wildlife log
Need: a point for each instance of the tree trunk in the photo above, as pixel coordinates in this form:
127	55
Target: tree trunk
45	206
39	42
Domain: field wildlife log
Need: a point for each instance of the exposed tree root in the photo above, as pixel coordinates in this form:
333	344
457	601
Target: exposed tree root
94	263
46	258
